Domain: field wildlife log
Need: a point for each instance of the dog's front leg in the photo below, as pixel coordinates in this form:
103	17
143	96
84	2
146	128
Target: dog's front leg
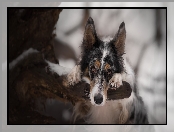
75	75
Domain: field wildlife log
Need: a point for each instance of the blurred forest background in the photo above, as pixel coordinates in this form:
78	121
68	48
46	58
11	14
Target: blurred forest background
145	47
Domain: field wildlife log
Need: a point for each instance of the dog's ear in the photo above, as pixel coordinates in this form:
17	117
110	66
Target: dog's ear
119	39
90	36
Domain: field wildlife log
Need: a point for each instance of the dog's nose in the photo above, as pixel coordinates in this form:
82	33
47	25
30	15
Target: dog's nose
98	98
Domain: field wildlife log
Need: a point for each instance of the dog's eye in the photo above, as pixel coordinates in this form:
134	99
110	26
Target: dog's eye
93	69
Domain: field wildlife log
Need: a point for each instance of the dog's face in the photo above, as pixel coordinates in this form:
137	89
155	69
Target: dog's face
100	60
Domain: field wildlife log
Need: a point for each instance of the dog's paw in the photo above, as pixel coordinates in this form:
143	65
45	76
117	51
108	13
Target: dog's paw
116	81
74	76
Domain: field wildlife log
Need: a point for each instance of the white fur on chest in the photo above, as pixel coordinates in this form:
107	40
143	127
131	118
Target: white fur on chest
107	114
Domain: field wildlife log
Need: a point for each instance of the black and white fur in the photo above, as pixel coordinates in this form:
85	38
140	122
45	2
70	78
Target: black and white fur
104	65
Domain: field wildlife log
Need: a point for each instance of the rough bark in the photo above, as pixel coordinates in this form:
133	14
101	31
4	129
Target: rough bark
29	28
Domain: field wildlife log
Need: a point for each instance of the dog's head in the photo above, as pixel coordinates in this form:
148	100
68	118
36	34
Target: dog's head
100	60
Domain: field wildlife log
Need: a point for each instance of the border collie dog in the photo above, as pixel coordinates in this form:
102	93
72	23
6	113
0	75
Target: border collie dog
104	65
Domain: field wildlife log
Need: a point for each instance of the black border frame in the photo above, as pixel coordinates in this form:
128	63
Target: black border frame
8	8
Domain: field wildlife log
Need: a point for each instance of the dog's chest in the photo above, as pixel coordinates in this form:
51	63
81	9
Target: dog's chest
107	114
